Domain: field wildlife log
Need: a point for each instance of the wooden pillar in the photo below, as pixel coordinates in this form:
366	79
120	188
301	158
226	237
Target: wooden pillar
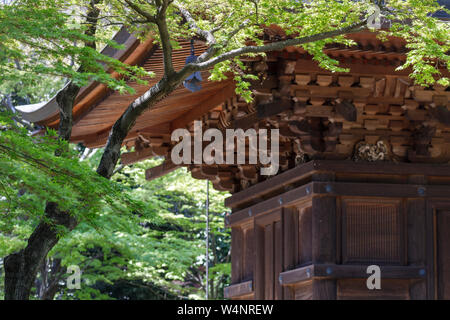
416	243
291	245
324	243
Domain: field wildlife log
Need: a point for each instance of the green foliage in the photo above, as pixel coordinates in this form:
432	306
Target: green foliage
31	174
135	238
49	37
42	38
428	40
158	252
239	23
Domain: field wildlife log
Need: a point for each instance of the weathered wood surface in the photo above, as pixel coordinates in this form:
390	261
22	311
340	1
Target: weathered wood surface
339	218
335	271
240	289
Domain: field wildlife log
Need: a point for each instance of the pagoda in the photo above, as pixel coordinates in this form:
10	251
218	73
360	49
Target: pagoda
363	174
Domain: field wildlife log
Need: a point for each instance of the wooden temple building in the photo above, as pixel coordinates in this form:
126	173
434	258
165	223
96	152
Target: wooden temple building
364	175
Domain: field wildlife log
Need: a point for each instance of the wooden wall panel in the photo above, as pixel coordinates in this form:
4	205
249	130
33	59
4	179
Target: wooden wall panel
323	216
416	222
268	261
416	243
305	236
290	245
324	229
291	241
259	262
278	259
249	254
356	289
372	231
269	256
236	257
337	229
304	291
443	254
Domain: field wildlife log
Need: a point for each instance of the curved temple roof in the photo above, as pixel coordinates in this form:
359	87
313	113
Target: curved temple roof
97	107
49	109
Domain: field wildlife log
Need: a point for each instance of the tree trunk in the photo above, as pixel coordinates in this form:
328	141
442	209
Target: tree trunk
21	267
65	99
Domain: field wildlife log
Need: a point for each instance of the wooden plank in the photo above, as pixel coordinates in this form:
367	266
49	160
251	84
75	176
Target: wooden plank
339	189
269	262
239	289
302	171
278	259
257	210
324	289
290	243
304	232
380	190
430	247
416	223
236	256
161	170
324	229
356	289
133	157
271	184
303	291
259	263
289	237
340	271
249	256
418	290
443	254
328	92
323	214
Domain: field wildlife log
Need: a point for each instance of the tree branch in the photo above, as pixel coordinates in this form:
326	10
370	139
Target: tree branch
207	35
273	46
127	120
150	18
165	43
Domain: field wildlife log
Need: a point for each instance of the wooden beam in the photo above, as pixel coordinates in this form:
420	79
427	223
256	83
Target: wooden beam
239	289
133	157
98	140
161	170
314	189
336	271
302	171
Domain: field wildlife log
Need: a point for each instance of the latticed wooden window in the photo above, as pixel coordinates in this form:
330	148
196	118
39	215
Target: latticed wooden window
372	231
